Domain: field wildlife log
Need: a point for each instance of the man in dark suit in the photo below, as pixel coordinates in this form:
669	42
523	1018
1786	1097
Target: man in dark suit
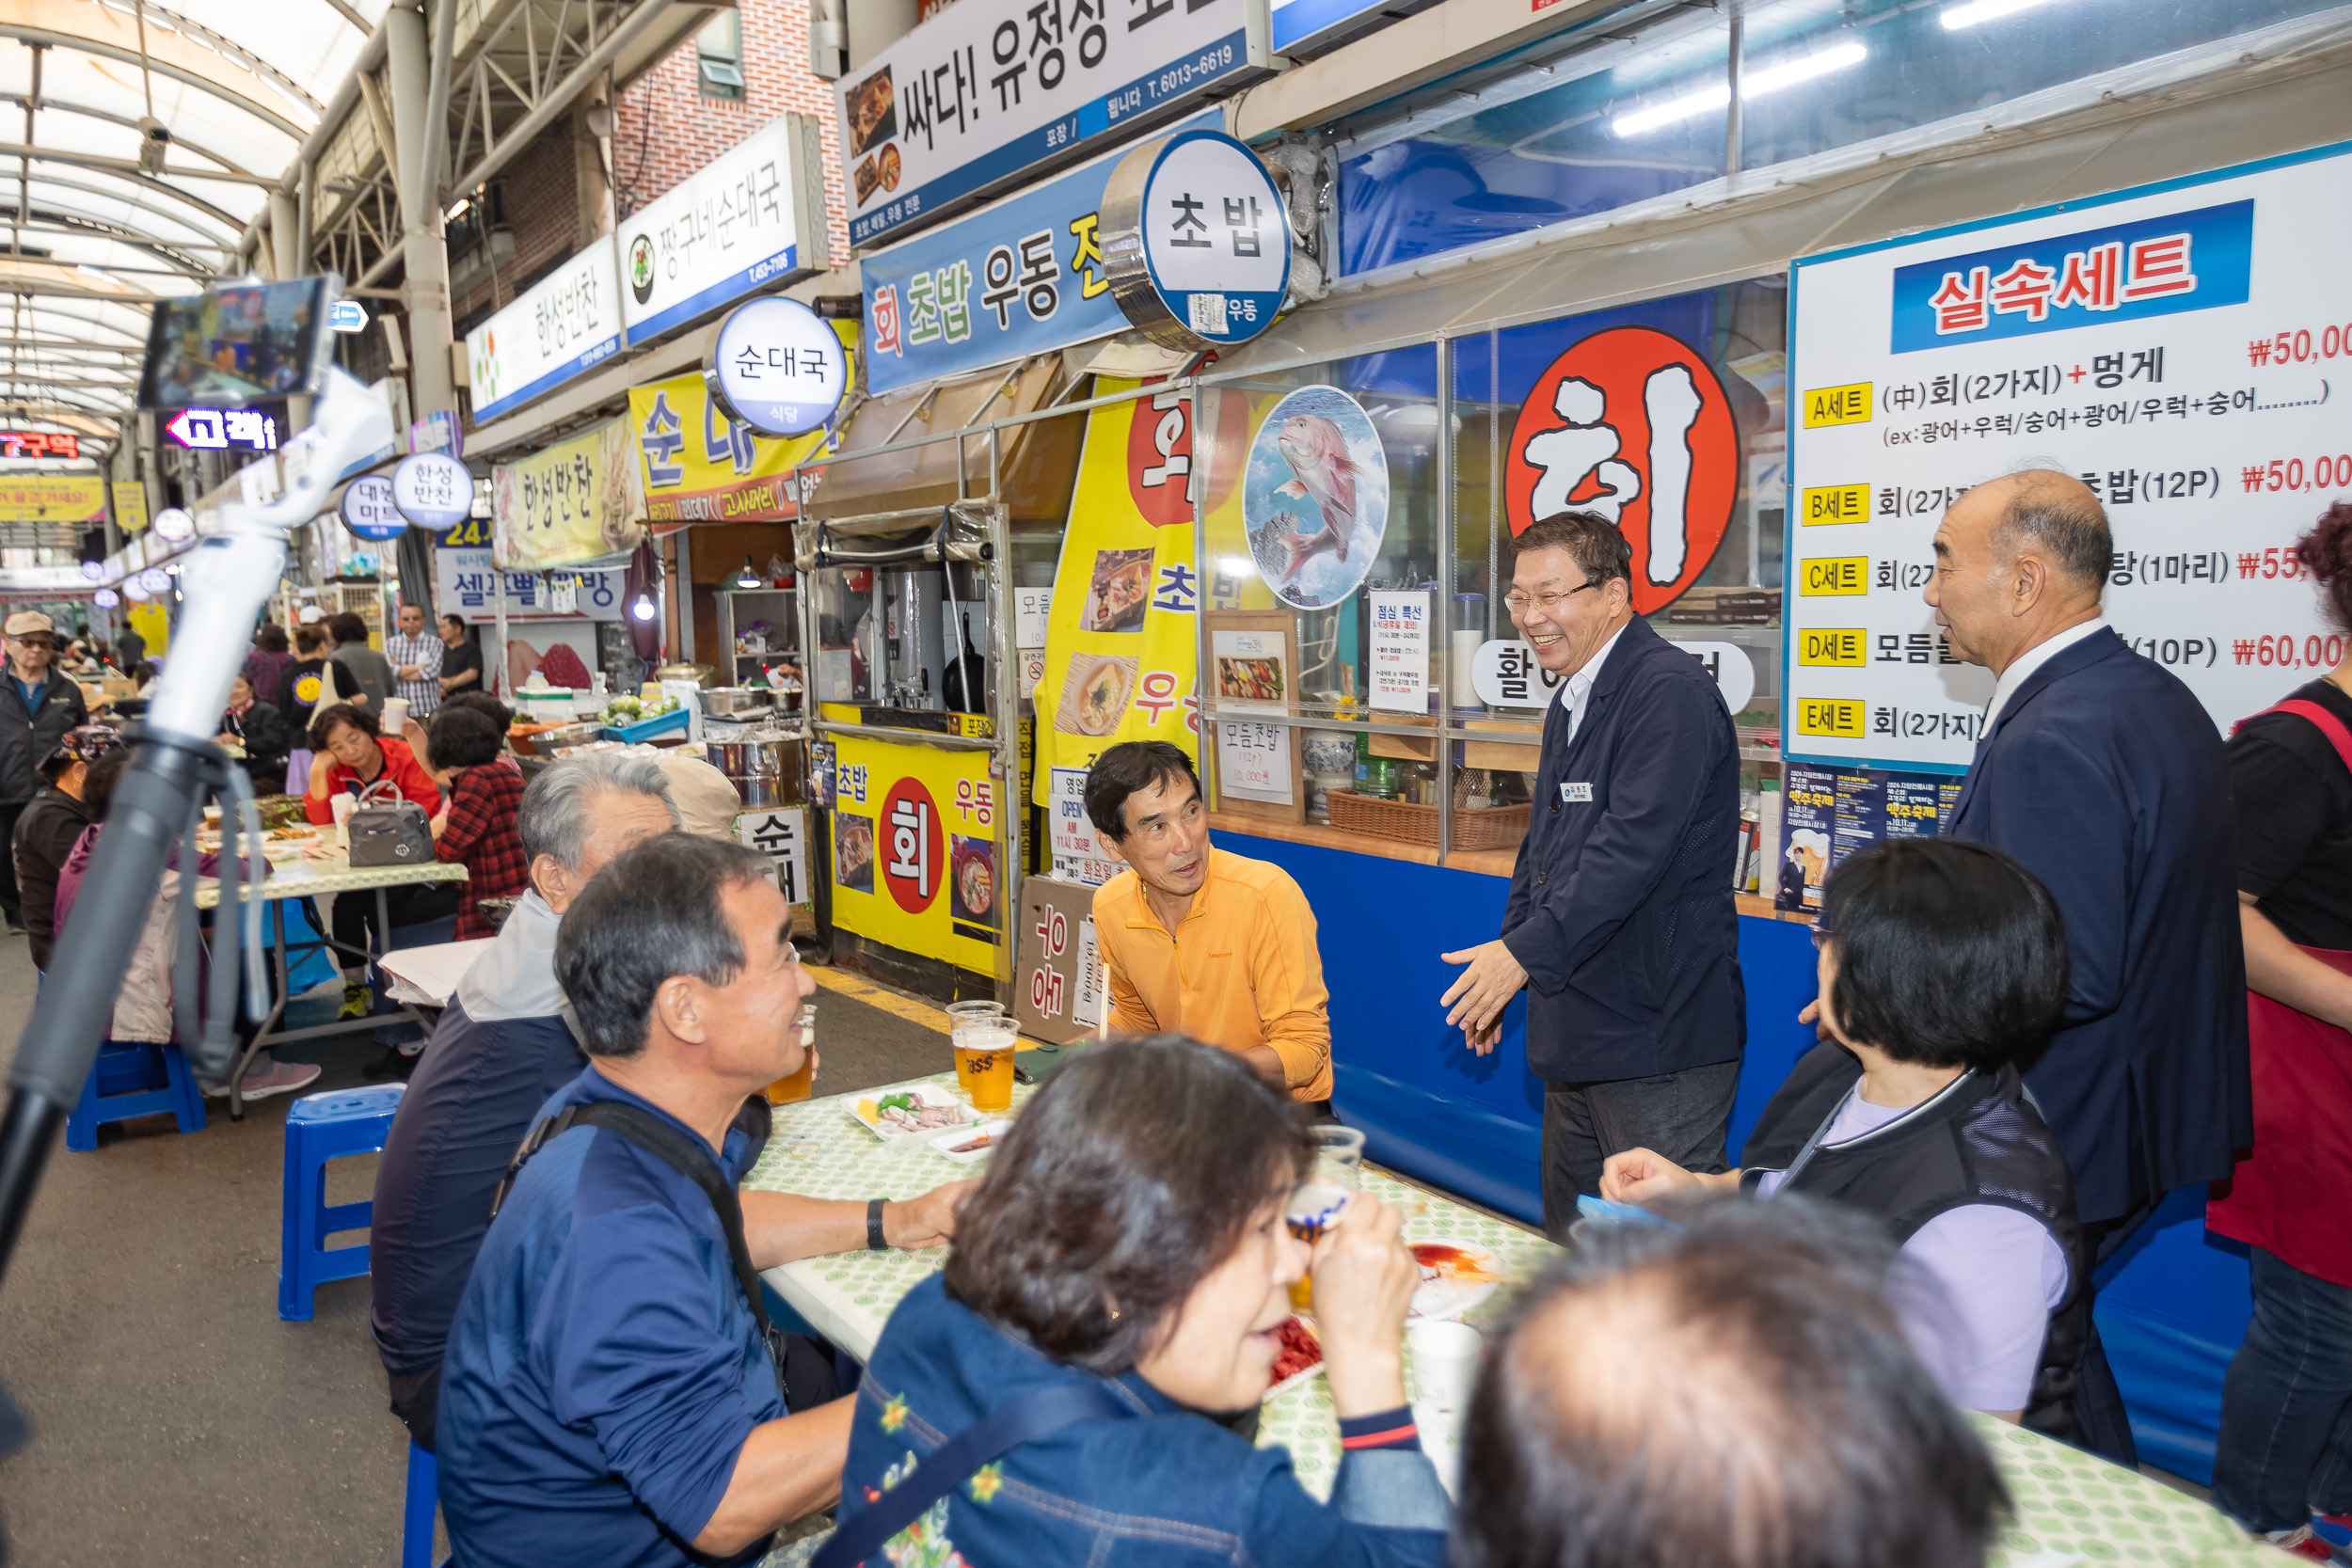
2102	773
1620	922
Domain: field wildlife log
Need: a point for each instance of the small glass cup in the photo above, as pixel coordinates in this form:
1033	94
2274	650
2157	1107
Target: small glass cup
796	1086
1333	1176
963	1017
984	1056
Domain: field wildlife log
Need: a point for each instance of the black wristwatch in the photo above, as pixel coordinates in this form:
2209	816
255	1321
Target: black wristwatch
874	1242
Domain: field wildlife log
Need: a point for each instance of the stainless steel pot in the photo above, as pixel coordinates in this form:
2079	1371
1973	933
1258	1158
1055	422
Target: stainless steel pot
723	702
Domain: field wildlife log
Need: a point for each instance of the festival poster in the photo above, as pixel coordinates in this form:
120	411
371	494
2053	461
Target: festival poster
1121	645
700	466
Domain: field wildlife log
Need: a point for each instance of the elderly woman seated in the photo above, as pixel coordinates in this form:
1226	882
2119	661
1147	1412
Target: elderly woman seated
1942	968
1064	1392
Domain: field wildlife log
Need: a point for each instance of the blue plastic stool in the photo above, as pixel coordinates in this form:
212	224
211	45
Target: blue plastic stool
319	1127
424	1494
131	1078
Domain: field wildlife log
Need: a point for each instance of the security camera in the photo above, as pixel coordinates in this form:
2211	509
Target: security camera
155	141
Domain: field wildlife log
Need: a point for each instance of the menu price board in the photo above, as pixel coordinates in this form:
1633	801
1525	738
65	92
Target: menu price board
2172	346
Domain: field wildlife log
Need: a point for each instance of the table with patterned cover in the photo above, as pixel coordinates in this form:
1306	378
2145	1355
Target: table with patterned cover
298	876
2072	1507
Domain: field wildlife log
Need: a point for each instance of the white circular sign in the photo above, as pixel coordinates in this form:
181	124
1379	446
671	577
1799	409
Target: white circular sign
154	579
778	366
94	570
172	525
433	490
1216	238
1505	674
106	598
132	591
368	509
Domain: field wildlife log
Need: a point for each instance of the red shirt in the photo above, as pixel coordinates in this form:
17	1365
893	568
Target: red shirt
479	835
400	766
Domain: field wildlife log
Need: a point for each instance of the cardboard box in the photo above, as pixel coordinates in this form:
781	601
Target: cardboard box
1060	990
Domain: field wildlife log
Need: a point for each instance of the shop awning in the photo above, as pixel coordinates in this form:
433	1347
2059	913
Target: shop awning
2166	130
1039	460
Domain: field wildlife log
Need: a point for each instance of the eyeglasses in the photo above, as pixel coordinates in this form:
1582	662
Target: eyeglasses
1519	603
49	642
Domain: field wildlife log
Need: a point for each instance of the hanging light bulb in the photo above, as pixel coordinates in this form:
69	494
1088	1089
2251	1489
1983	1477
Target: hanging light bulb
642	606
747	576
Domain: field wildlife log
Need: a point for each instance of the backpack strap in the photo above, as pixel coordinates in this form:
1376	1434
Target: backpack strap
690	1158
2328	723
1025	1419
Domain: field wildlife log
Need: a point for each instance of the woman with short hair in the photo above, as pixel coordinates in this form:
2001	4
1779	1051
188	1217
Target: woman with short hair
353	755
1943	967
1126	1254
477	828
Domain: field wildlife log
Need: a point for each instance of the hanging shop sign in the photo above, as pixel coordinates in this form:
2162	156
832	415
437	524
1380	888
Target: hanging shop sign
2173	346
915	849
1023	276
432	490
368	509
566	323
697	466
52	499
1315	496
252	429
1633	424
466	582
347	315
753	217
1505	674
777	366
576	501
989	91
39	443
1197	240
1122	645
130	496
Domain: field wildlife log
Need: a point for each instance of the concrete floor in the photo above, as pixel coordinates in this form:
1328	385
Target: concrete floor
176	1417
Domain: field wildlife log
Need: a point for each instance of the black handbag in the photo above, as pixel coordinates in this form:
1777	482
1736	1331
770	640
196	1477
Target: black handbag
388	829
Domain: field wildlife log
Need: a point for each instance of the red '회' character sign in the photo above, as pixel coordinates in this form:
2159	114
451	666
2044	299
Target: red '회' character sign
912	850
1633	425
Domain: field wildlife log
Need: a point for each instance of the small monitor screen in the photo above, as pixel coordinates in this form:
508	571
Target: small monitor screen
234	344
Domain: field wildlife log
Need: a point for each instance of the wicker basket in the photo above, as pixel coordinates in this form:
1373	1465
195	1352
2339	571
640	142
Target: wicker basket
1493	828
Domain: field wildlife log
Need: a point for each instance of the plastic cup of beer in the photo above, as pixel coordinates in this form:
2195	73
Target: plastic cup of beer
1332	1177
963	1016
984	1052
796	1086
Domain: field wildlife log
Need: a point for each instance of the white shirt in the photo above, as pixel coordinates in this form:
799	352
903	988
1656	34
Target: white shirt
2034	658
1578	690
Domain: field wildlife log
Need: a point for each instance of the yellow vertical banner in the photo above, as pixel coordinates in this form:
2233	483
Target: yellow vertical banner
915	849
1122	644
130	505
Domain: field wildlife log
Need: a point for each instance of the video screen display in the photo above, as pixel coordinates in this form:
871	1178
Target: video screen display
235	343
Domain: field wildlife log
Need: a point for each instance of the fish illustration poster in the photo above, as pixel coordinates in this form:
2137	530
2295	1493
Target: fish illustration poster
1315	496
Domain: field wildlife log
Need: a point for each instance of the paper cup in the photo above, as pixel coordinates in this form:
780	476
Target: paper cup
342	806
1445	1364
395	715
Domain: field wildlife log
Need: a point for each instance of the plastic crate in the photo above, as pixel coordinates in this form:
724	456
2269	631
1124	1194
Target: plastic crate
645	729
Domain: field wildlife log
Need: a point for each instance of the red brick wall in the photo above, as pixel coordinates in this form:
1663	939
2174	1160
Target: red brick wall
667	130
542	207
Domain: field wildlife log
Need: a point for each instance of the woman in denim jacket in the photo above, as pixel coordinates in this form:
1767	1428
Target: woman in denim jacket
1130	1232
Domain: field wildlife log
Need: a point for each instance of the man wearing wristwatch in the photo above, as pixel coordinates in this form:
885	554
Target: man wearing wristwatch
611	1392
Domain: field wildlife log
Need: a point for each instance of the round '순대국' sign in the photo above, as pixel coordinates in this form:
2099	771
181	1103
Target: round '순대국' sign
368	510
433	490
777	366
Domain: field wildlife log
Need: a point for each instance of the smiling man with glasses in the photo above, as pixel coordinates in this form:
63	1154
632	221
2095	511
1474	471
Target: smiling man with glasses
1620	923
37	707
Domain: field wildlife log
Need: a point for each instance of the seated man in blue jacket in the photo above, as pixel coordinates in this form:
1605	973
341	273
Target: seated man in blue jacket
610	1394
501	1047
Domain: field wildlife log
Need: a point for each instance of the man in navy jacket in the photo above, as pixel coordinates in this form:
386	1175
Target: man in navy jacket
2102	773
1620	921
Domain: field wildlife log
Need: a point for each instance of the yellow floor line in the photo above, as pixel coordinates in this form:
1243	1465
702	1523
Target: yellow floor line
858	988
861	990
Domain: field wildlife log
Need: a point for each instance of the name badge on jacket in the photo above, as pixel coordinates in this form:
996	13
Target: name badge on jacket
1575	792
